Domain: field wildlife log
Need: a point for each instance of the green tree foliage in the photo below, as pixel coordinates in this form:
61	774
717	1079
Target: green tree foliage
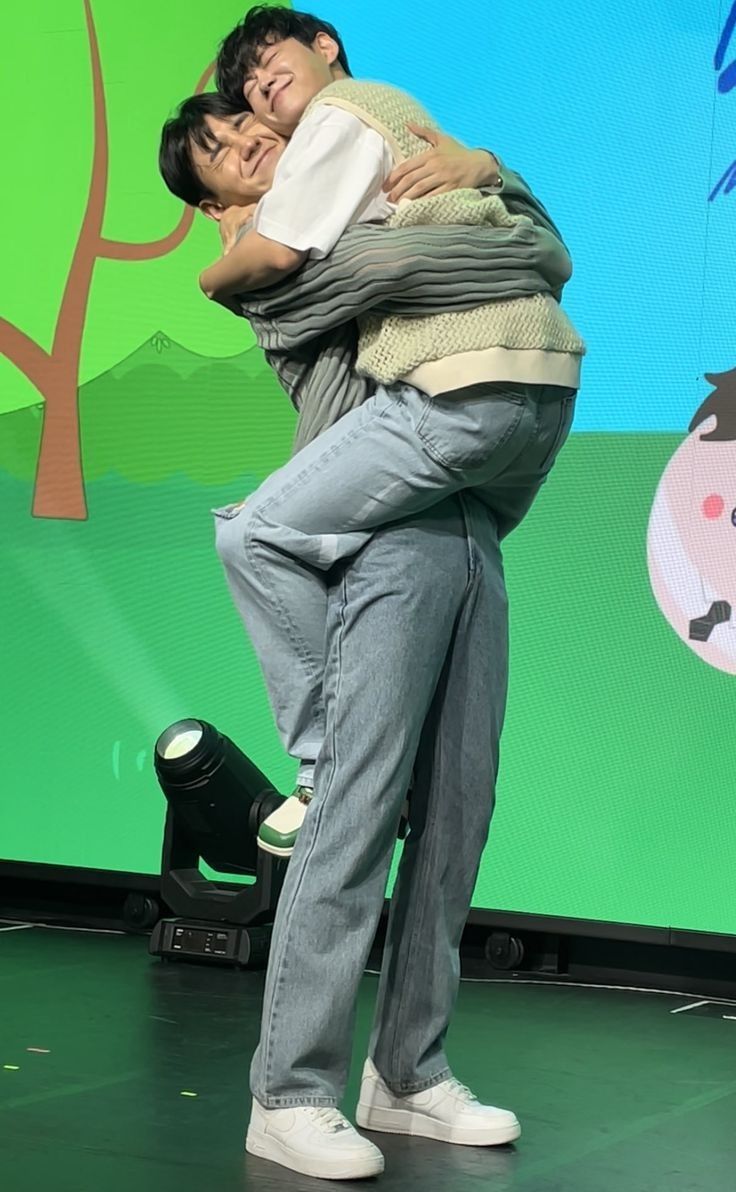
106	256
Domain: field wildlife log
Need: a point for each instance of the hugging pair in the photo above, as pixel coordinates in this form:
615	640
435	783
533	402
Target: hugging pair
408	299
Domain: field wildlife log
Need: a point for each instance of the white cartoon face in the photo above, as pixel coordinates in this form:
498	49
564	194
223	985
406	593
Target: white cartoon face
700	487
692	540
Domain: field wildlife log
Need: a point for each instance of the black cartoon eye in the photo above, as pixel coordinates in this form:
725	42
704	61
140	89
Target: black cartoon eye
733	517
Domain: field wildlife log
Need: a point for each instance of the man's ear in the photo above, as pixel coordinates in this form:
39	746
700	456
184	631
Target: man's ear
326	47
212	209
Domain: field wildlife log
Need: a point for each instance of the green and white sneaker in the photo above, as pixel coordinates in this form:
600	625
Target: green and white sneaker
278	832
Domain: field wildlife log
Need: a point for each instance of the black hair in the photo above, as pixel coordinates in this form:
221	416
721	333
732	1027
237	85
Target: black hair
722	403
264	25
189	127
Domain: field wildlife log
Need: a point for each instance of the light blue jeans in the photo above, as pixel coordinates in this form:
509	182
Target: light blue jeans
399	453
416	671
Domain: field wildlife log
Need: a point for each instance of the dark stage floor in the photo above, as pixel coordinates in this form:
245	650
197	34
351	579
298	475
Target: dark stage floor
614	1091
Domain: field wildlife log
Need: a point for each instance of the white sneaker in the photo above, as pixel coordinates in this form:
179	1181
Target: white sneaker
312	1140
447	1112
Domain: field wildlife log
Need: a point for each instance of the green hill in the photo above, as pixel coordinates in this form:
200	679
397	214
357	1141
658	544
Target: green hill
166	411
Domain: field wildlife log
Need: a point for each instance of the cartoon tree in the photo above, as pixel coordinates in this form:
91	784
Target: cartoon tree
59	490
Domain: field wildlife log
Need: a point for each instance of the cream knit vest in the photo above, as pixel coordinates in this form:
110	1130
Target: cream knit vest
394	347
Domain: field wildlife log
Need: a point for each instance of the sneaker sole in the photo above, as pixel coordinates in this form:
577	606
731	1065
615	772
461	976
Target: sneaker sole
274	849
265	1147
407	1121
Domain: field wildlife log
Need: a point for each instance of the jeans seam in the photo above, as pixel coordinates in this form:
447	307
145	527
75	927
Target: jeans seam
284	939
546	465
252	544
414	937
281	957
251	548
471	546
258	546
262	508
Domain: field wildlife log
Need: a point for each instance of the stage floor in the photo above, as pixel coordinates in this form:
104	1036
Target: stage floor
615	1092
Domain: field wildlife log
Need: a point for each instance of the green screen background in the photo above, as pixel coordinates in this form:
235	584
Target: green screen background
616	794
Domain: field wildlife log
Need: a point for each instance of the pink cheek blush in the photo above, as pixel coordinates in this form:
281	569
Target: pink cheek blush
713	506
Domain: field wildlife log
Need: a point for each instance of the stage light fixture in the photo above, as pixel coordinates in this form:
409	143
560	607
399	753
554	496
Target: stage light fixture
217	799
219	795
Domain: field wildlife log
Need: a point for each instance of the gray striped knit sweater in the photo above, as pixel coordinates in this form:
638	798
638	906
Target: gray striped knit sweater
306	324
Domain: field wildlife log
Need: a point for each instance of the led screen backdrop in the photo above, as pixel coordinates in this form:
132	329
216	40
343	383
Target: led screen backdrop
616	797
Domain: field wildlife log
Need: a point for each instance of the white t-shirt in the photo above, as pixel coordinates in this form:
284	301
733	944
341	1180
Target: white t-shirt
330	175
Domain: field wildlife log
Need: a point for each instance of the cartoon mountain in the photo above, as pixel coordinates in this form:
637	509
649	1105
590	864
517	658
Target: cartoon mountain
165	410
178	359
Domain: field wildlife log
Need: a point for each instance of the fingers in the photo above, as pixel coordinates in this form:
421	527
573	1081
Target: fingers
427	188
410	179
418	186
397	175
427	134
400	172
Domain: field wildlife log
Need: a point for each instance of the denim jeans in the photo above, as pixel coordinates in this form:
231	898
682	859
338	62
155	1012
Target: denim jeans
399	453
415	672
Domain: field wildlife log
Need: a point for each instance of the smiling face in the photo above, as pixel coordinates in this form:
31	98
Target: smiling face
286	76
237	165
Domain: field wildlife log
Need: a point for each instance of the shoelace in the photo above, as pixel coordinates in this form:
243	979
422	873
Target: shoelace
329	1118
461	1090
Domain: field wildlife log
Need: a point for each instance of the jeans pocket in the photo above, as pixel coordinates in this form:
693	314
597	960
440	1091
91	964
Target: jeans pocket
464	433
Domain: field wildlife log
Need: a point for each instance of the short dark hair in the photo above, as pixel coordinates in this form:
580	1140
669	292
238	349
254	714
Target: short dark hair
189	127
262	26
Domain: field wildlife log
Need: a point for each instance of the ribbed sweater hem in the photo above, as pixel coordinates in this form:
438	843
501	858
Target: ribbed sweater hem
522	366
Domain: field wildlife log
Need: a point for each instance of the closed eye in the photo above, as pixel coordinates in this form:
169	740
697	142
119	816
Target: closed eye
265	59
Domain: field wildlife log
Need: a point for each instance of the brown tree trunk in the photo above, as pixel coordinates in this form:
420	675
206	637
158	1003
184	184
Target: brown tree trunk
59	490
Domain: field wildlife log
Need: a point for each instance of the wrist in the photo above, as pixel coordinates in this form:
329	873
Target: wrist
490	169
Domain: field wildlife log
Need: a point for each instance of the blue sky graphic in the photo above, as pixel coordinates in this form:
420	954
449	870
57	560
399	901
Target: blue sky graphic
613	114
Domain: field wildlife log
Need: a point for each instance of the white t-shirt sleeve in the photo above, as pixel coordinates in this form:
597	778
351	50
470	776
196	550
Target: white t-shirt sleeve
333	168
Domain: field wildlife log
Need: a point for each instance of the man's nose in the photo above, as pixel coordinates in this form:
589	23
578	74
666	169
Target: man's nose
266	82
248	147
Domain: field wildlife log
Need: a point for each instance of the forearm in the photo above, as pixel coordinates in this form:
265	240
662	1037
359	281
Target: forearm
520	200
395	271
553	259
253	263
498	269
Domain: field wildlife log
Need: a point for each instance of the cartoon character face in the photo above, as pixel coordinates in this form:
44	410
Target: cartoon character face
692	531
700	489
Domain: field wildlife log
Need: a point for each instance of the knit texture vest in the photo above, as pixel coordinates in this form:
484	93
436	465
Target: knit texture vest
391	347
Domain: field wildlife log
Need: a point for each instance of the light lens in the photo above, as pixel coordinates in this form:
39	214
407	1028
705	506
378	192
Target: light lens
180	739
